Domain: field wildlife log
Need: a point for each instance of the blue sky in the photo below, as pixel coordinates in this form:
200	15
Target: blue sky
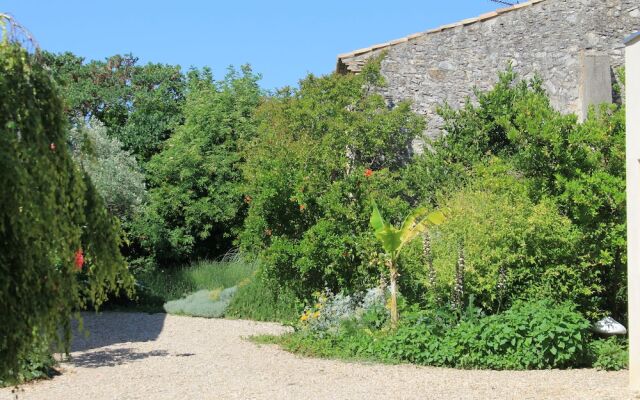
282	39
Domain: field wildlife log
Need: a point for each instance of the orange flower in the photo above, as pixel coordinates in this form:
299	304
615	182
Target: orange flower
368	172
302	207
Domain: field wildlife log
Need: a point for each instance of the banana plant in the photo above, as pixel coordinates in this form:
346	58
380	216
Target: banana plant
394	239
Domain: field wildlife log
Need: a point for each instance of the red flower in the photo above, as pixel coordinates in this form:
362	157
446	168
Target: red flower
52	146
368	172
79	261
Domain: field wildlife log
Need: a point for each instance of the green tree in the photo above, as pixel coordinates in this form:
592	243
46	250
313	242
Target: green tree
51	217
139	105
196	201
114	171
579	166
320	153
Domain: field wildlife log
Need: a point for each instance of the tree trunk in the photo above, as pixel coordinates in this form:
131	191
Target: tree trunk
393	275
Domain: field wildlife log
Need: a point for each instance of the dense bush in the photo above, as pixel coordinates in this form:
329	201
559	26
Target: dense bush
514	247
578	167
58	246
114	171
196	200
531	335
320	154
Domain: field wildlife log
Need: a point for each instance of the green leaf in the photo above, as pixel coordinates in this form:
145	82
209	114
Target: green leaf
376	220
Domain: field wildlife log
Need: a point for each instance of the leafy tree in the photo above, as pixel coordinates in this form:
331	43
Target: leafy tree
139	105
52	221
319	154
196	201
579	166
114	171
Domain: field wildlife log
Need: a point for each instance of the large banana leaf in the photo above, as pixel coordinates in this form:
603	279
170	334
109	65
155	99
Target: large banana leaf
394	239
417	223
385	232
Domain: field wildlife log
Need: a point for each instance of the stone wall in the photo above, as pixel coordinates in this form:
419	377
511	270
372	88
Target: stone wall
551	38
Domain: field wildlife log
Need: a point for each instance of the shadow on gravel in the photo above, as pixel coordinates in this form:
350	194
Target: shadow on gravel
112	357
110	328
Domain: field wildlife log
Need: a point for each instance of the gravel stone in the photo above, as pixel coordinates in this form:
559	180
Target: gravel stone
159	356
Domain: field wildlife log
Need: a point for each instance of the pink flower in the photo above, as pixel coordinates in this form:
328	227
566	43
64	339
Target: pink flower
52	146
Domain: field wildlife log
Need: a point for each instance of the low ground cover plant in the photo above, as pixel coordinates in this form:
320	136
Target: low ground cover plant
610	354
203	303
529	335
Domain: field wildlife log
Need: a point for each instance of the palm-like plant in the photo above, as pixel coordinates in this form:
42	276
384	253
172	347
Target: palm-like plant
394	239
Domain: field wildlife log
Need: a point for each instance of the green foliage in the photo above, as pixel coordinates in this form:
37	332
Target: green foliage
255	301
577	167
320	153
139	105
173	283
196	200
36	363
394	239
200	304
527	336
514	247
610	354
113	171
49	211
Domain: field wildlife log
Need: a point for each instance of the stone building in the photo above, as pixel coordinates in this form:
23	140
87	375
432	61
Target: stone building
575	46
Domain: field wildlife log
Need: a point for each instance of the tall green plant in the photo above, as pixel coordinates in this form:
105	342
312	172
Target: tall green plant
196	201
319	155
394	239
58	245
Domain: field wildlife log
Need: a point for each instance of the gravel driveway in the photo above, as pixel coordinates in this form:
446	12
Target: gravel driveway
157	356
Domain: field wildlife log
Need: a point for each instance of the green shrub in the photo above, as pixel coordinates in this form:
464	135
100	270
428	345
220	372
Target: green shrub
320	153
578	166
610	354
257	302
514	248
533	335
527	336
196	199
52	220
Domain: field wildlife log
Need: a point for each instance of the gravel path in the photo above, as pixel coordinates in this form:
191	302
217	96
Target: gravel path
153	357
